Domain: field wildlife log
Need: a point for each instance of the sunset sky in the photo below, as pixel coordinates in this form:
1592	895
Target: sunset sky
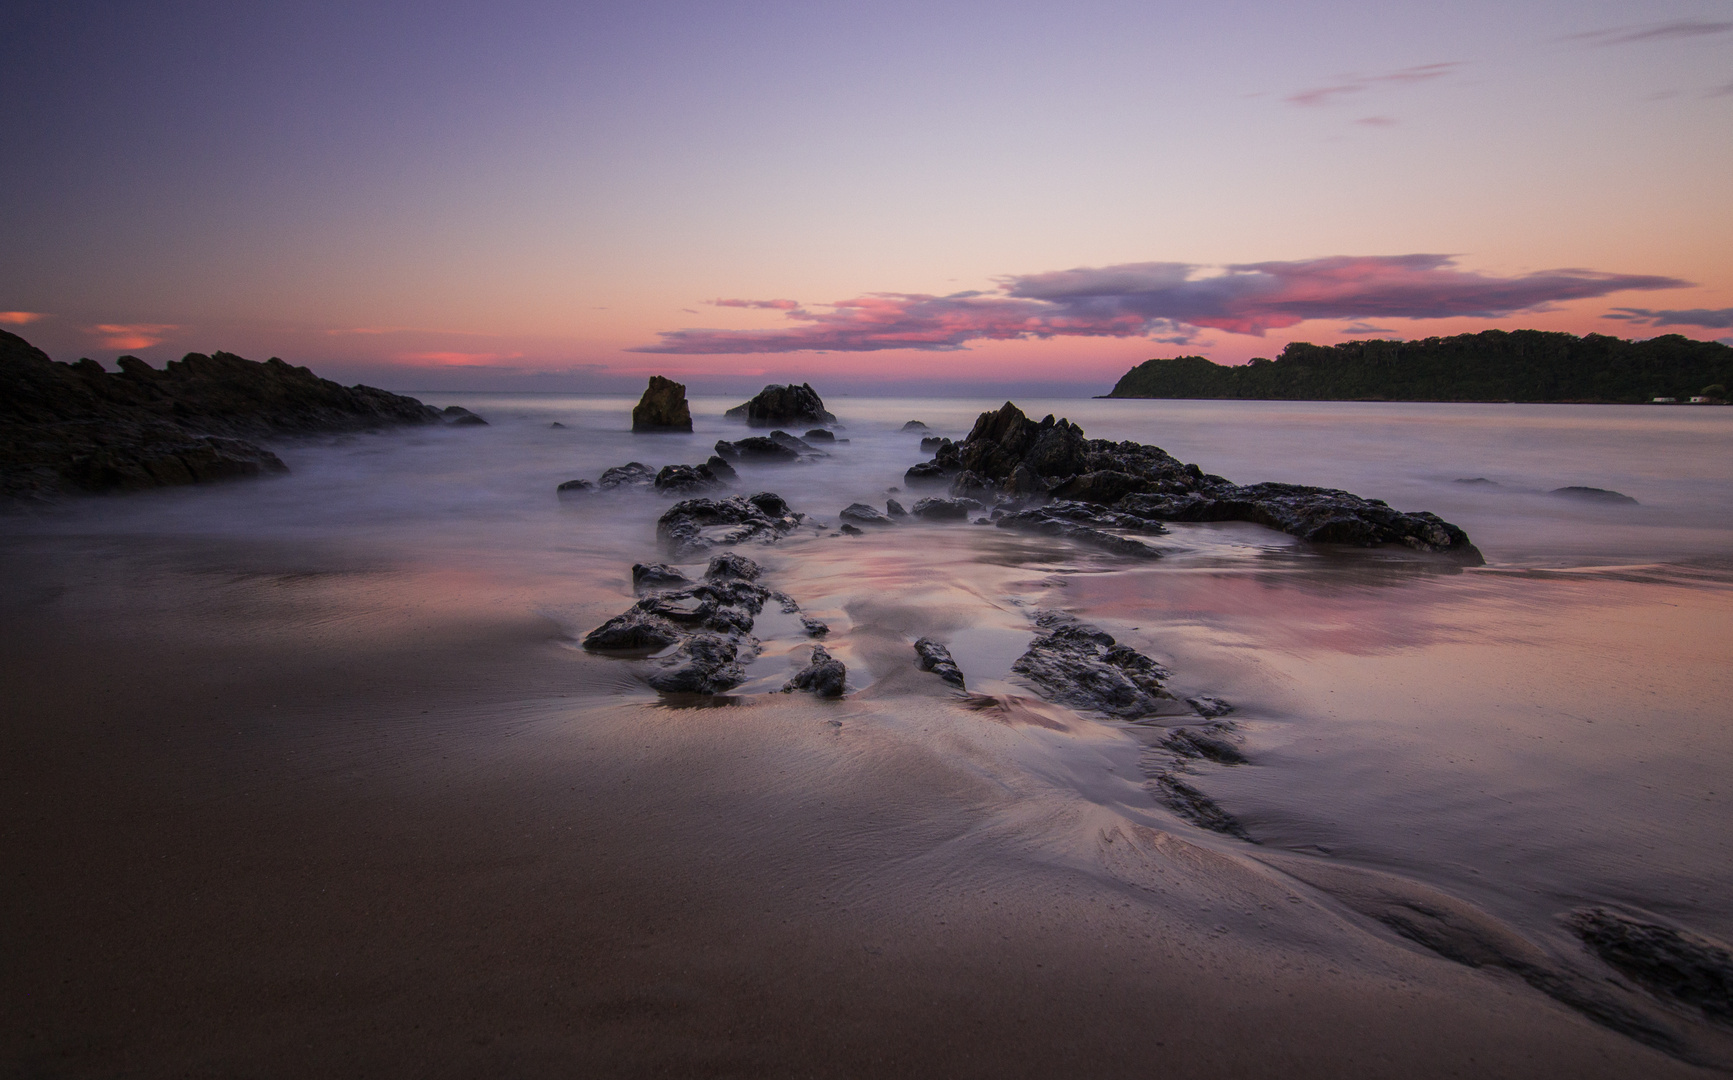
886	196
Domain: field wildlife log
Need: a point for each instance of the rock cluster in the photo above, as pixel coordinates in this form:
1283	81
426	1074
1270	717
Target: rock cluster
694	526
777	405
1015	461
68	428
1076	664
662	408
778	446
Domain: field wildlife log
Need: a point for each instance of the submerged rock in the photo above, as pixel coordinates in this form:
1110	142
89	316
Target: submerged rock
631	474
1199	809
1209	742
1209	707
1046	521
777	405
652	576
818	434
574	488
937	659
1079	665
699	525
824	676
1594	494
703	664
814	627
757	448
663	407
1689	969
849	530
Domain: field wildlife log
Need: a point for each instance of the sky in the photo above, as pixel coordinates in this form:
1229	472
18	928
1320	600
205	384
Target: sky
872	197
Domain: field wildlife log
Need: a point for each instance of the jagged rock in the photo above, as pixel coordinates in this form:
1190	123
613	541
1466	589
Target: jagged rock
1593	494
758	448
818	434
1079	665
730	566
937	659
721	470
824	676
1209	707
915	425
631	474
1673	963
931	509
895	509
814	627
76	427
458	416
662	408
1007	454
655	576
698	525
777	405
686	479
634	630
703	664
574	488
862	514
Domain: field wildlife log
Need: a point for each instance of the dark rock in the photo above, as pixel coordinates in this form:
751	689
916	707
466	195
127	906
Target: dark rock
1079	665
915	425
814	627
1673	963
862	514
777	405
703	664
932	443
1207	743
662	408
1209	707
825	676
635	630
631	474
1320	515
968	485
458	416
686	479
818	434
931	509
721	470
937	659
556	424
770	503
1199	809
76	427
572	488
757	448
798	445
850	530
1592	494
729	566
698	525
895	509
1476	480
929	473
1042	521
652	576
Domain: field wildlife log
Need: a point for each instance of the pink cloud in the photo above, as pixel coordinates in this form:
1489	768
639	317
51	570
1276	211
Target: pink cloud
131	335
774	305
20	318
1170	299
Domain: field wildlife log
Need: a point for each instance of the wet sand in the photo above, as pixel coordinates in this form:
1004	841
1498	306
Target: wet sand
285	810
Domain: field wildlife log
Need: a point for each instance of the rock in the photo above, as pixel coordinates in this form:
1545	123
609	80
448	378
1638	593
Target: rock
1079	665
915	425
703	664
777	405
757	448
72	428
931	443
937	659
1209	707
849	530
818	434
686	479
814	627
1041	521
1691	970
1319	515
931	509
631	474
1476	480
1592	494
698	525
928	473
556	424
458	416
662	408
729	566
1208	743
573	488
798	445
654	576
721	470
1199	809
635	630
862	514
824	676
895	509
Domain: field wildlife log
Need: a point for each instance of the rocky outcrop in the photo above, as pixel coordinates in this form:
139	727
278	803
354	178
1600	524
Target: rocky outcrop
825	675
695	526
777	405
1079	665
777	447
1012	459
936	658
67	428
662	408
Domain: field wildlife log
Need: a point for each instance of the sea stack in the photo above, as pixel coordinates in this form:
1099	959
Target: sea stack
662	408
777	406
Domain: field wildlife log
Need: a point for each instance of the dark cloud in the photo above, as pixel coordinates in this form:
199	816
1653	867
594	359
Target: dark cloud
1708	318
1666	31
1348	85
1167	301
